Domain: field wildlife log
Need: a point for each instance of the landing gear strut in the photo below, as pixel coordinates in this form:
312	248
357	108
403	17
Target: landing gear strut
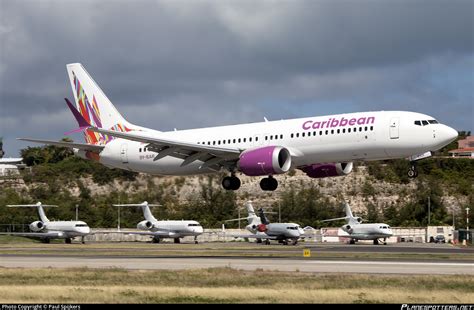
412	172
231	183
196	240
269	184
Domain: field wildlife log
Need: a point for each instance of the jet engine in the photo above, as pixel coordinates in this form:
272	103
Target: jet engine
145	225
37	226
266	160
262	228
328	170
347	228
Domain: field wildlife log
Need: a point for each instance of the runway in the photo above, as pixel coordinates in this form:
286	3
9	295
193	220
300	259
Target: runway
325	258
249	264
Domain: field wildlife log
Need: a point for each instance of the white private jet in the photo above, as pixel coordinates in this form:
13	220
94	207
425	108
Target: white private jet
262	229
357	231
322	146
47	230
163	229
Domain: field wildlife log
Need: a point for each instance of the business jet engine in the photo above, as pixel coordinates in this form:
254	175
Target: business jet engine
37	226
145	225
262	228
347	228
266	160
328	170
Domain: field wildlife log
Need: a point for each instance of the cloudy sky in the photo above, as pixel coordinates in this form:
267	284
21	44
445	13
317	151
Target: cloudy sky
188	64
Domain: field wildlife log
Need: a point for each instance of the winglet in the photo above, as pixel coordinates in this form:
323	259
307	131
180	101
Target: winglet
83	124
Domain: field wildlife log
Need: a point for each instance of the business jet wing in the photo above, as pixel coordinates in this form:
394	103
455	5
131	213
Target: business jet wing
190	152
52	234
143	233
82	146
256	236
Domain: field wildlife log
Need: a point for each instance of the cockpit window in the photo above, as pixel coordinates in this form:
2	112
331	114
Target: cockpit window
424	123
418	123
433	121
189	225
80	225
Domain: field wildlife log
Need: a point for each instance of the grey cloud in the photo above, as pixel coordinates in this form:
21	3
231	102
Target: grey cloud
188	64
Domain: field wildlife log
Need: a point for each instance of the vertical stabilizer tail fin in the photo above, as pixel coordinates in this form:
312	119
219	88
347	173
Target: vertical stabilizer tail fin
147	212
94	106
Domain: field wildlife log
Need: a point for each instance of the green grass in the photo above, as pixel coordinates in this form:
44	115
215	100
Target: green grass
226	285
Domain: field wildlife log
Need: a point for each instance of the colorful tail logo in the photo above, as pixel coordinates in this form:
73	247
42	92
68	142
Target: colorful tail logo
91	114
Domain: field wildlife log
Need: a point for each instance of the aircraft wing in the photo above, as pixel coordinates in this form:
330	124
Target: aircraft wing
190	152
256	236
36	234
142	233
82	146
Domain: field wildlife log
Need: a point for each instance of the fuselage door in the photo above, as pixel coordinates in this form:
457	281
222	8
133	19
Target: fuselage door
123	153
394	127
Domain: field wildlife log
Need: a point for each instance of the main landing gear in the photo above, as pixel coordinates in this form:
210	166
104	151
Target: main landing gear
231	183
412	172
269	184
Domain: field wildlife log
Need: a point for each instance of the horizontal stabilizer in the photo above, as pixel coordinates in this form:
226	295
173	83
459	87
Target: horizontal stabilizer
81	146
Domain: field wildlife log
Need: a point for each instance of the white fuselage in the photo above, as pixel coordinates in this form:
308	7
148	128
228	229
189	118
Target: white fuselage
368	231
336	138
67	229
176	229
281	230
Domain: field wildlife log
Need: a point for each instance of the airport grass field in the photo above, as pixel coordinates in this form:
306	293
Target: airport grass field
226	285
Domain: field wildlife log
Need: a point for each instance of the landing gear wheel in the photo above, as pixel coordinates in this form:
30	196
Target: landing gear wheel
352	241
155	240
269	184
176	240
231	183
376	241
267	242
67	240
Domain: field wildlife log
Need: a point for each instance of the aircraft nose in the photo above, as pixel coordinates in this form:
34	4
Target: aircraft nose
451	133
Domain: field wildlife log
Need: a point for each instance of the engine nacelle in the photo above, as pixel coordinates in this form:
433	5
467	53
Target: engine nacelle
262	228
37	226
145	225
266	160
328	170
347	228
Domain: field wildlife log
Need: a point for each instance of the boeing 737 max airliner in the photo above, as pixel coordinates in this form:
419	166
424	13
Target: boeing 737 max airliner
322	146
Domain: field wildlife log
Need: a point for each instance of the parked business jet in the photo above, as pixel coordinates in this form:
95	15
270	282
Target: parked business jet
323	146
357	231
163	229
262	229
45	229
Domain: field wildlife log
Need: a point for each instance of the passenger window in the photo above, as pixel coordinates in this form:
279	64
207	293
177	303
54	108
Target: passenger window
233	140
250	139
291	135
140	150
360	128
371	128
365	128
245	139
297	134
348	130
281	136
332	131
239	140
338	131
327	132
